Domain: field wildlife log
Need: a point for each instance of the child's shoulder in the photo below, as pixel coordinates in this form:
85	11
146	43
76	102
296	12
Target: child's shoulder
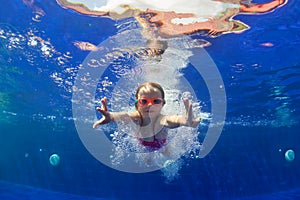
170	121
163	119
135	117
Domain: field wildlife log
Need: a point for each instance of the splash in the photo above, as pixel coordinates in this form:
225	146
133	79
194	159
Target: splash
132	70
115	70
182	145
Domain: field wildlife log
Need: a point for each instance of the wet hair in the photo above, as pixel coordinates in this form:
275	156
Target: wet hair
151	85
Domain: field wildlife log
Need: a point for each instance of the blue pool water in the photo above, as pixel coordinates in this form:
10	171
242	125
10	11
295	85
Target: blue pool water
38	67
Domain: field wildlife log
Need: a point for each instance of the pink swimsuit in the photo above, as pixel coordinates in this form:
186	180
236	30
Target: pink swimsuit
153	145
156	143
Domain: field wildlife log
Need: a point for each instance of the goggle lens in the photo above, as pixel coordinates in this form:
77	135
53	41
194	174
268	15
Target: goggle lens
145	101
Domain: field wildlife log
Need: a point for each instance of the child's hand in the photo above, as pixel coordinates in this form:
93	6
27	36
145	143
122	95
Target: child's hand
106	116
190	121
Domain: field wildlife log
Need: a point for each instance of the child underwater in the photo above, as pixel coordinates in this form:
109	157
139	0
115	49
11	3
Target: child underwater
153	126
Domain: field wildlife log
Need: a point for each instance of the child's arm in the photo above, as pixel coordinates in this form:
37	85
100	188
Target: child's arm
108	117
174	121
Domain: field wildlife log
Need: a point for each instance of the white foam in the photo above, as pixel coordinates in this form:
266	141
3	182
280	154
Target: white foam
201	8
190	20
182	140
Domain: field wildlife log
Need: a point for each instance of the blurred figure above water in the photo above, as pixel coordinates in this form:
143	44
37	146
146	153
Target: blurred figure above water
175	17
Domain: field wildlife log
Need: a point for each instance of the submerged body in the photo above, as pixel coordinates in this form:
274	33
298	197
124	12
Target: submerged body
152	125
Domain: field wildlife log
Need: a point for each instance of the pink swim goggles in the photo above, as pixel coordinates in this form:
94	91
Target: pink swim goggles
146	101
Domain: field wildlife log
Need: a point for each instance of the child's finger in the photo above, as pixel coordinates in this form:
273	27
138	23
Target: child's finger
196	122
190	113
99	109
97	123
104	103
102	111
186	104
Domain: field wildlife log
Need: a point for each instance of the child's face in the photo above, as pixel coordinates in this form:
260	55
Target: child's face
152	99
